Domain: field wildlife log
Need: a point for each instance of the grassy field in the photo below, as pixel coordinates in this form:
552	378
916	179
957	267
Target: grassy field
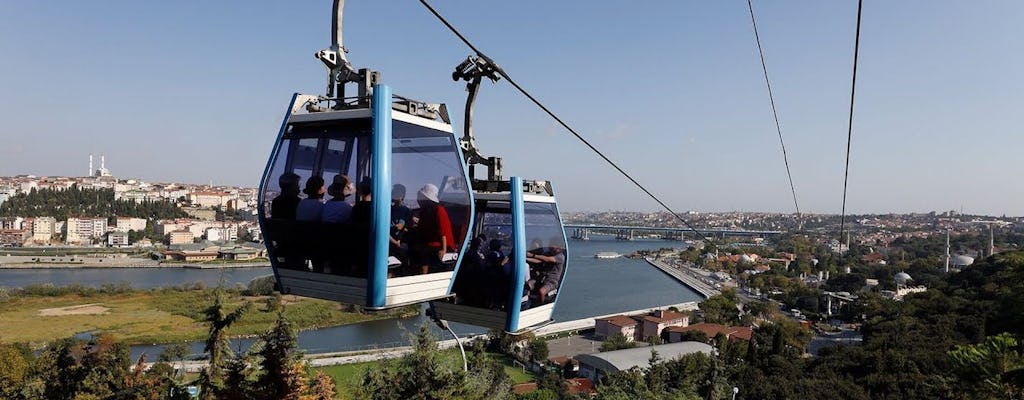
155	316
348	376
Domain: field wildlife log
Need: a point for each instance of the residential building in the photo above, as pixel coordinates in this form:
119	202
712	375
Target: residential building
117	239
595	366
732	333
81	230
205	214
654	323
180	237
43	229
12	223
13	237
211	198
618	324
125	224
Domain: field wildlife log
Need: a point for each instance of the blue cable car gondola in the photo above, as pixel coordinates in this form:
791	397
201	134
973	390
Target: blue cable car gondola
341	222
364	156
515	265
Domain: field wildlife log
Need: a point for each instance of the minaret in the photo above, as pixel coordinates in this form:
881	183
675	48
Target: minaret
947	250
90	166
991	242
103	162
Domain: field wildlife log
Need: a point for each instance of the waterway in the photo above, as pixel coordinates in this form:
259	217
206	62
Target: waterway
592	287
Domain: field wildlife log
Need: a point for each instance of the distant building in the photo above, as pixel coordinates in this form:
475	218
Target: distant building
618	324
82	230
43	229
117	239
11	223
654	323
125	224
180	237
732	333
205	214
13	237
595	366
212	199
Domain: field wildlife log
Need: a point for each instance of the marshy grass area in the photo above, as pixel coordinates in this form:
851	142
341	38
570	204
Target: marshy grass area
37	315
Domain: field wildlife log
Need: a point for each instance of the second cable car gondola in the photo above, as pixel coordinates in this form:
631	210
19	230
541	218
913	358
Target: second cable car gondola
513	269
343	181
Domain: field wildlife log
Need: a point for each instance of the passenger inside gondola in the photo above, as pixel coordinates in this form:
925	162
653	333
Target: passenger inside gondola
549	262
311	208
283	206
433	237
362	216
337	210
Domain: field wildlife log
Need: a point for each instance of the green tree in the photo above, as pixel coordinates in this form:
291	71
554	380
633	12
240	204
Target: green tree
13	372
281	371
211	379
538	349
721	308
988	369
616	342
424	374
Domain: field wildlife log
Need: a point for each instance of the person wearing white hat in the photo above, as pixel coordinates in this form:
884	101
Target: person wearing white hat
434	234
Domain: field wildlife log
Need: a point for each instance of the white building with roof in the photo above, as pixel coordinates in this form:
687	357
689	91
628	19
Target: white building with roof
595	366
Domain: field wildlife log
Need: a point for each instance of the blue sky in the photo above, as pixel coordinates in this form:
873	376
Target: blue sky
672	90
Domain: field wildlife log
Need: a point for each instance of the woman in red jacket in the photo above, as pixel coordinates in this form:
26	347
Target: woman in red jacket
434	232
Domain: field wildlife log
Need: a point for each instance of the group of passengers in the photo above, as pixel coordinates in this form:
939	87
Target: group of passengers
486	277
418	240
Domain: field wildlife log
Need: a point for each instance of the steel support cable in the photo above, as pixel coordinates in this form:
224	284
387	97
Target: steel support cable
849	128
556	118
771	97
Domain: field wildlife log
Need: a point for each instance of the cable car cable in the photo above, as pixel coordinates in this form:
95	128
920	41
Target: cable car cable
849	128
555	117
771	97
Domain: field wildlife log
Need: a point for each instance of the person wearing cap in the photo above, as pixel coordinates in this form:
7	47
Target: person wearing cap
337	210
283	206
310	208
434	233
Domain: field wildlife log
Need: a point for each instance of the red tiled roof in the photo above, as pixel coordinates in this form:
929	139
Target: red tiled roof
580	385
712	330
619	320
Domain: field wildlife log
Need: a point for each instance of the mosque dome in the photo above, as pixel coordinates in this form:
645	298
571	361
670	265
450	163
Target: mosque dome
902	277
963	261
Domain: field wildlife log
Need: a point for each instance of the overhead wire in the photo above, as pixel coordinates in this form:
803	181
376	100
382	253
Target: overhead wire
555	117
849	128
775	113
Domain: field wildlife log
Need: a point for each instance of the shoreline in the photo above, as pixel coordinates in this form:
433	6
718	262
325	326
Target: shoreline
140	264
684	277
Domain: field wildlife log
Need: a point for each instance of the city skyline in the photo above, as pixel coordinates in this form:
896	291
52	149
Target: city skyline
195	93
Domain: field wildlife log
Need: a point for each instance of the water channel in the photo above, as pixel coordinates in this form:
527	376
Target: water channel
592	287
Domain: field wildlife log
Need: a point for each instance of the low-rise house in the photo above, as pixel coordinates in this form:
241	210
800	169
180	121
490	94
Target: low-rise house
655	322
732	333
609	326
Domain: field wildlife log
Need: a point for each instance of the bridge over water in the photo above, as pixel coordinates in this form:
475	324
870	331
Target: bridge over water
583	232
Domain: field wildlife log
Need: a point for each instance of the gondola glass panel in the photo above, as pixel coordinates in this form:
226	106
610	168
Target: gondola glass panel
494	288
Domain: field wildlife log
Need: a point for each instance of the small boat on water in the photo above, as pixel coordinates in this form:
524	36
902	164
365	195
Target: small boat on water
607	254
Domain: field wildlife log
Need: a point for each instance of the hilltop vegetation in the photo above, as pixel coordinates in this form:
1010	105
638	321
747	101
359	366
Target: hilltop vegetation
82	202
